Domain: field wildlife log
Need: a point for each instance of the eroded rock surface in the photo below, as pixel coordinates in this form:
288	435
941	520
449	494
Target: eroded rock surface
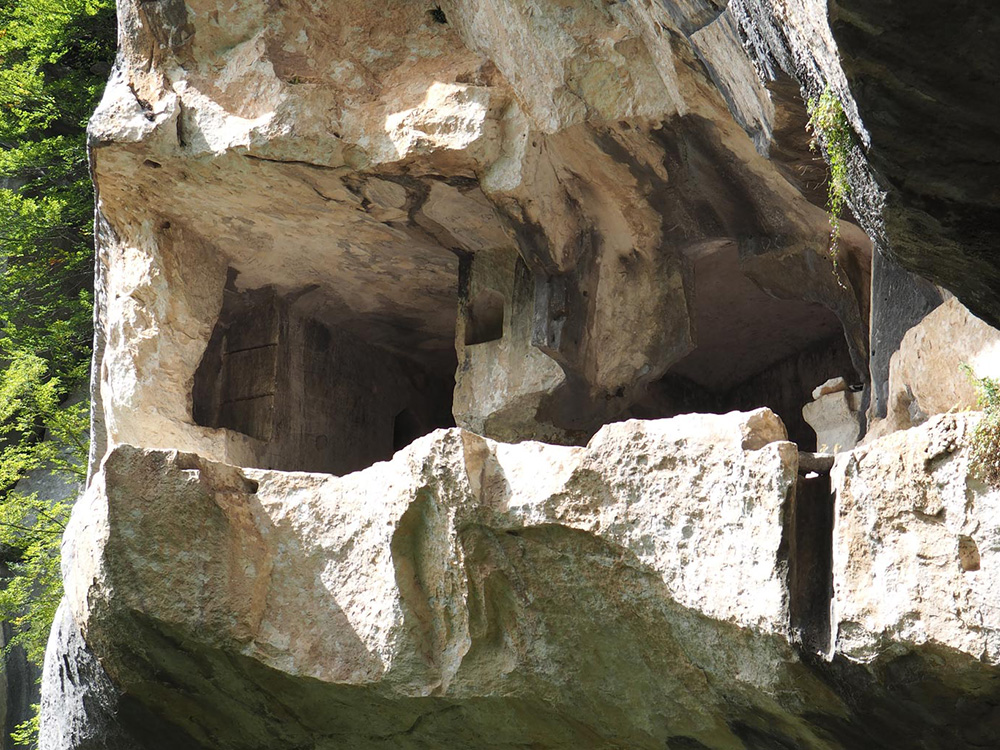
835	415
600	168
470	593
496	588
915	600
326	230
916	538
928	374
916	81
923	76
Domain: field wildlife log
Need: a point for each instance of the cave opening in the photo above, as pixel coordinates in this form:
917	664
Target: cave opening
406	427
752	350
303	389
747	348
306	394
484	318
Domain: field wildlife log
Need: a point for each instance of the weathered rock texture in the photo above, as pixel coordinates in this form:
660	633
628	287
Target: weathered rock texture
917	82
531	583
326	230
927	375
642	591
597	170
924	76
835	415
915	601
81	706
915	544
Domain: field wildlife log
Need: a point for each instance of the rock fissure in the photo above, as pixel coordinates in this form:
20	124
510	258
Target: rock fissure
810	557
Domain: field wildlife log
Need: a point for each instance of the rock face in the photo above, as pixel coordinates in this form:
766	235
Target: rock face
80	704
923	76
926	375
644	590
916	81
915	546
502	577
432	354
553	174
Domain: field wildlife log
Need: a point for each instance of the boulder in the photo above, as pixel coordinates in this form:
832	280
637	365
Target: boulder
464	590
836	418
926	374
913	552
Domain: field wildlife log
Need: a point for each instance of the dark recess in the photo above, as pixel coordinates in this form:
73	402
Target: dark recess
406	427
784	387
484	320
810	561
313	396
925	76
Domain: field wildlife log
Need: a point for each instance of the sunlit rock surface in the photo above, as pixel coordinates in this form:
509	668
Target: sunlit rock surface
915	544
635	592
934	370
602	168
534	584
433	345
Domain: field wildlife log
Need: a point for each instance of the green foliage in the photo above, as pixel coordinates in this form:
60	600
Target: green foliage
26	733
985	443
55	54
54	58
31	526
831	130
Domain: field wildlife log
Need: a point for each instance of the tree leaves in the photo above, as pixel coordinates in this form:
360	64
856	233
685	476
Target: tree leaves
31	525
48	52
54	57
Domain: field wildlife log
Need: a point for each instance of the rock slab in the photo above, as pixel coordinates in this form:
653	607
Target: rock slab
631	593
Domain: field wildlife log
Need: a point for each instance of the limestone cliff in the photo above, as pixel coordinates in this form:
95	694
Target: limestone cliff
449	389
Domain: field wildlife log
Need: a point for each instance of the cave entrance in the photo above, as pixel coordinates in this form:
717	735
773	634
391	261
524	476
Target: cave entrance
753	350
306	394
406	427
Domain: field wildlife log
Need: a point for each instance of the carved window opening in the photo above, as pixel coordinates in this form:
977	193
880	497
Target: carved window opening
406	427
311	395
484	318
